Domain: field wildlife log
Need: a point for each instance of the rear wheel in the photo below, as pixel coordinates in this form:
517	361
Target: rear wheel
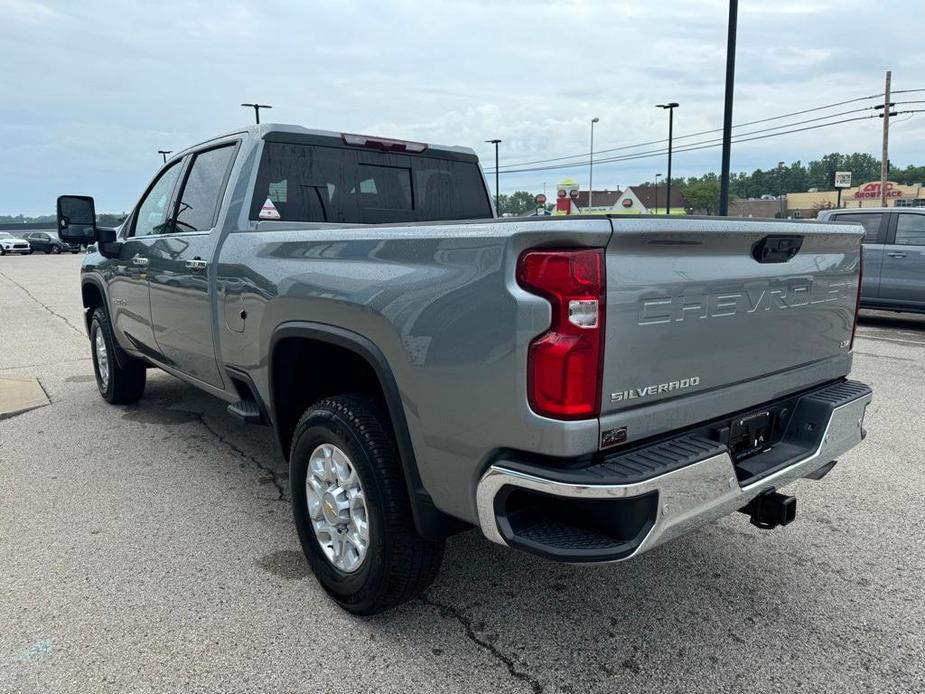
118	383
352	510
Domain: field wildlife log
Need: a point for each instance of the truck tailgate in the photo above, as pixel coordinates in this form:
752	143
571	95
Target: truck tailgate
690	309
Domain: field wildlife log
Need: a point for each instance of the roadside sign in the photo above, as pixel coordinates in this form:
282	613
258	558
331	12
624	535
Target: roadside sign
842	179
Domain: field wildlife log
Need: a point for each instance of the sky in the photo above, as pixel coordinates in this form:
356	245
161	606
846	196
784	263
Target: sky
93	89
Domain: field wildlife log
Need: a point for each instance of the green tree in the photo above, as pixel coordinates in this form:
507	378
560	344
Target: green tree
517	204
702	195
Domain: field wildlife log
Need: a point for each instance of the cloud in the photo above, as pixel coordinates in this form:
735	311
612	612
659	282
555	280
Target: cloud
98	90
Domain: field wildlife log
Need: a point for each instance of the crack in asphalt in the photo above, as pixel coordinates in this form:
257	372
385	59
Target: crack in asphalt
274	475
43	305
450	612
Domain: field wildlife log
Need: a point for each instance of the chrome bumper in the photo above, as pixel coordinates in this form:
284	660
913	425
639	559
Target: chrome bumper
690	496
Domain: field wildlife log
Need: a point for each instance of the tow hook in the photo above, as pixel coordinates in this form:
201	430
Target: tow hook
770	509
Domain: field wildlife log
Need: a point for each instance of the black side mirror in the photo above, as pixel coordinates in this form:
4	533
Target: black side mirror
77	219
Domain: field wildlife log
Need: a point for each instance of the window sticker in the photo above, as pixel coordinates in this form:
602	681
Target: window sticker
268	211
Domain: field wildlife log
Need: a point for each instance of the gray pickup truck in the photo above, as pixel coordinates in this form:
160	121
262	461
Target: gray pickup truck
583	388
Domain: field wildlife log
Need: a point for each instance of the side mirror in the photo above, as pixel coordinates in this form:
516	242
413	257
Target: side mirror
77	219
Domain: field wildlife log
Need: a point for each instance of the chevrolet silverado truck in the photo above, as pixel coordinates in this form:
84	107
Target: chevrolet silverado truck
582	388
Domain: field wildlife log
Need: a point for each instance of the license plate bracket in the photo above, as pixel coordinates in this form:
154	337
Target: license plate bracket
750	434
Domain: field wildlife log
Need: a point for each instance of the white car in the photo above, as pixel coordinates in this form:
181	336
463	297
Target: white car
13	244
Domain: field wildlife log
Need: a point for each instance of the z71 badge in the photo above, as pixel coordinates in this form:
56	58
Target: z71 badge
645	391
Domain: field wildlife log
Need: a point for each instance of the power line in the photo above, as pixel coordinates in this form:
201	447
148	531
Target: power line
702	132
712	143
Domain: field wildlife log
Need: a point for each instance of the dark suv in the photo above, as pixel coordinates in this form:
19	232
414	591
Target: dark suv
49	243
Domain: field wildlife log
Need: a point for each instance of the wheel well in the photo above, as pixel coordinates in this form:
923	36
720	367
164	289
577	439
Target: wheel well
306	370
93	299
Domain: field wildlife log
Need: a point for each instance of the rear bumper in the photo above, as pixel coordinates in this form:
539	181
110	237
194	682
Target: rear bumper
687	481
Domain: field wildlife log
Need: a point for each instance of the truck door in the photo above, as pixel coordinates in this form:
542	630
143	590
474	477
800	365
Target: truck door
127	274
180	271
875	228
902	277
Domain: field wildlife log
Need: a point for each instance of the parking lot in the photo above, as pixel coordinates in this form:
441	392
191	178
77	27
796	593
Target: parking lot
151	548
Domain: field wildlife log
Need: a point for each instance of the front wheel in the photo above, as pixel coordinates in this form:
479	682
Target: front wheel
352	510
118	383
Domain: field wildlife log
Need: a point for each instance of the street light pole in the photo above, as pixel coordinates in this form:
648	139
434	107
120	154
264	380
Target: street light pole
670	107
780	191
656	192
727	109
257	108
497	179
591	163
164	153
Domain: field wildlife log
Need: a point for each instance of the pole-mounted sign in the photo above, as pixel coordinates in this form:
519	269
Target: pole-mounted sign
842	179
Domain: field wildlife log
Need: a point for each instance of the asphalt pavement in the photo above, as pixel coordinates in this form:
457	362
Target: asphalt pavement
150	548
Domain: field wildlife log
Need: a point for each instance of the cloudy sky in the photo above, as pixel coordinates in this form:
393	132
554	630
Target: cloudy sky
93	89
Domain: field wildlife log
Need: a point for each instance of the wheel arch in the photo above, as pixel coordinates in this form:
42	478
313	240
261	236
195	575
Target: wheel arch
293	346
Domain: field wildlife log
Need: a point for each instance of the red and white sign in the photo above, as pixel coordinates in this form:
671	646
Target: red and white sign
627	202
870	191
268	211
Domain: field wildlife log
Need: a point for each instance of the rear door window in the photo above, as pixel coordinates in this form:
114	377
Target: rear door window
869	220
315	183
202	190
910	229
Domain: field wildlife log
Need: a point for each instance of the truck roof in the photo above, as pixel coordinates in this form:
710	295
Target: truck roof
261	131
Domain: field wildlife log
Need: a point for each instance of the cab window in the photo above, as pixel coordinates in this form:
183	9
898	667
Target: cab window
153	210
202	190
869	220
910	229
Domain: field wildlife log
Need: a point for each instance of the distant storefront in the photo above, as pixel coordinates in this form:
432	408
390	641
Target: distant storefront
807	205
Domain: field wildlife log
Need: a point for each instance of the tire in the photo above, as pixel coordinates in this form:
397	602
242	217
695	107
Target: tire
30	252
2	252
119	384
55	250
398	564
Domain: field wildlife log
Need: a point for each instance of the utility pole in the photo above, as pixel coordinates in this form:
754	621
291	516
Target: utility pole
257	108
164	153
591	163
727	110
884	158
497	174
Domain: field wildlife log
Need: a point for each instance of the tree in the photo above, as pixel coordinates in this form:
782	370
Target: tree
517	204
703	195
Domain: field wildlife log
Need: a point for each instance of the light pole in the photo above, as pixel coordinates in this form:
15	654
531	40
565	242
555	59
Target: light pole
727	108
780	191
591	163
497	179
657	176
257	108
164	153
670	107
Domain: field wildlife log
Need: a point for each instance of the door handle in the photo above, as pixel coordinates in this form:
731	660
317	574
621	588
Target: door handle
196	264
896	255
139	260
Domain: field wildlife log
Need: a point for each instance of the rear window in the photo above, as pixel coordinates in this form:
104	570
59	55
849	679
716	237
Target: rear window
314	183
869	220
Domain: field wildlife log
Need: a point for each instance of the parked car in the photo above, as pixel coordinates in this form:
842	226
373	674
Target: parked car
582	388
894	255
13	244
50	243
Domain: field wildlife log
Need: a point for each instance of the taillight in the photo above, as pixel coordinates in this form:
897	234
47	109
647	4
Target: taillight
857	303
564	363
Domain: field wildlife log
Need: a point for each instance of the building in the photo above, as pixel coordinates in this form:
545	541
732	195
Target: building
600	198
650	200
759	208
807	205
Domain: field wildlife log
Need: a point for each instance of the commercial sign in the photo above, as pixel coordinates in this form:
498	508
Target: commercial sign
870	191
842	179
